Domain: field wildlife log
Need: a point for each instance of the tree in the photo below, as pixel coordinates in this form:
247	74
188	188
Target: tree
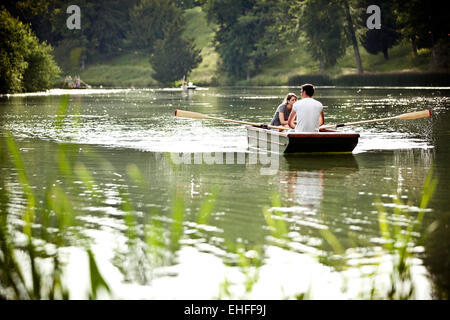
25	64
37	13
351	32
322	21
242	38
148	19
174	57
186	4
41	69
426	24
380	40
104	26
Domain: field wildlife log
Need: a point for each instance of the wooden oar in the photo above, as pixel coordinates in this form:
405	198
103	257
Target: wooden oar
404	116
196	115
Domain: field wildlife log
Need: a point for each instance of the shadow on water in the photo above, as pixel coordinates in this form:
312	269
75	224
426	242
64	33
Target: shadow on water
320	162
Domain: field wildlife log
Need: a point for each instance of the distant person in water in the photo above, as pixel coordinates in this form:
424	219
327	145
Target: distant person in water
281	116
308	112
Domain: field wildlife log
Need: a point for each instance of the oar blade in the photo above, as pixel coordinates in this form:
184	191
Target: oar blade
415	115
189	114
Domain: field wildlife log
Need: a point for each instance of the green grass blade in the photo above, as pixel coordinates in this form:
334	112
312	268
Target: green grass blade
97	280
207	207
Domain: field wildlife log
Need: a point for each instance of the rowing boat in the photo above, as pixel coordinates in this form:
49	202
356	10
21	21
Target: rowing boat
301	142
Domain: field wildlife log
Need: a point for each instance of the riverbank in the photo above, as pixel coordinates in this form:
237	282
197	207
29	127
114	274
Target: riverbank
289	66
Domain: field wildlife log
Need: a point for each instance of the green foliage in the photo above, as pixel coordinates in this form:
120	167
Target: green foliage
13	39
38	14
186	4
177	224
97	280
242	39
16	281
249	34
323	24
104	28
207	207
38	273
399	242
174	57
274	220
108	25
148	20
42	68
424	22
25	64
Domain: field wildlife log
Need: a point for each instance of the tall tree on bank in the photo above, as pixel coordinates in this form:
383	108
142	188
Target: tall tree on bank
174	57
352	35
322	22
25	64
148	19
239	40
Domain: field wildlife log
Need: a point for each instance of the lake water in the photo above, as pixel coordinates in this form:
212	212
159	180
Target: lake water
115	154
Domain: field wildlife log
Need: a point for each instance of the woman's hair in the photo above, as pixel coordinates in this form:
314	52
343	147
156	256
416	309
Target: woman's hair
289	97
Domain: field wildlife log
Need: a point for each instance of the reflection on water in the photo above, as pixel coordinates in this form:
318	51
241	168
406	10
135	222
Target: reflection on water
126	193
308	188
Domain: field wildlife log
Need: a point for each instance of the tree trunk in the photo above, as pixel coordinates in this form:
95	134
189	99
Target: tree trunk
414	45
385	53
352	35
321	66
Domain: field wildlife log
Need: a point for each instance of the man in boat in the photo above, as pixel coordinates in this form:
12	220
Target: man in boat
68	80
308	112
281	116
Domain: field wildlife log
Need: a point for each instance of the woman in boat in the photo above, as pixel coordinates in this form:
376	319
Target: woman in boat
307	114
281	116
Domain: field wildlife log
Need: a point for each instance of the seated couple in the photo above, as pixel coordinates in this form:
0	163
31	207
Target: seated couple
305	115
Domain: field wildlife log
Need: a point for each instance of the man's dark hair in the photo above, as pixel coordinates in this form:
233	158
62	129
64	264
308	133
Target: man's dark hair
308	88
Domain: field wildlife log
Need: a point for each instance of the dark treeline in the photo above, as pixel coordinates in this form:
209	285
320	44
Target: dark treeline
248	32
250	29
108	28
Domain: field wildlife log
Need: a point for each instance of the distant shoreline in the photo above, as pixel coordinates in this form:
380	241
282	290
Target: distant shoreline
377	79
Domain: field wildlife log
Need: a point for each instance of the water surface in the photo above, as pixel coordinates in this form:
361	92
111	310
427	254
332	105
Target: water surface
111	131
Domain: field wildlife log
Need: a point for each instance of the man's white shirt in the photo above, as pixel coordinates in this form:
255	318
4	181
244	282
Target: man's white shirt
308	114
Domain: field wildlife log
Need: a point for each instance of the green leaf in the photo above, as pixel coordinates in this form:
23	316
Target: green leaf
97	280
